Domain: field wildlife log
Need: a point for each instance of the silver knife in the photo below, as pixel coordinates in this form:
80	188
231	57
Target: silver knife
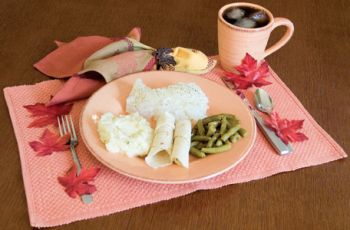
270	135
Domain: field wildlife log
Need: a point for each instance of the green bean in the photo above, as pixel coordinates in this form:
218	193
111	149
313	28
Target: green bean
200	145
196	152
211	119
214	134
212	140
200	127
218	143
211	130
194	131
218	117
228	116
200	138
214	150
230	132
242	132
210	143
233	122
235	137
223	125
214	123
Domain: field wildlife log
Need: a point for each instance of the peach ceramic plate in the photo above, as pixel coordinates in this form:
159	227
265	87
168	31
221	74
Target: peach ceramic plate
112	98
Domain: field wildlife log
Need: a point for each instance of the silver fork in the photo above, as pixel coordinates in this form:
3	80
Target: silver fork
66	125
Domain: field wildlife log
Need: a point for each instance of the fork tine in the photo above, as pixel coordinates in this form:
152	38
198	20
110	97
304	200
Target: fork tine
68	125
73	129
63	126
59	126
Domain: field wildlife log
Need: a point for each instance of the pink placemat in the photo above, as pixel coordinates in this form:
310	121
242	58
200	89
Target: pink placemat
49	205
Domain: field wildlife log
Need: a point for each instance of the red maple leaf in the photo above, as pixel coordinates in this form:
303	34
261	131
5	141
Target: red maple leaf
49	143
46	115
79	185
251	74
248	65
286	129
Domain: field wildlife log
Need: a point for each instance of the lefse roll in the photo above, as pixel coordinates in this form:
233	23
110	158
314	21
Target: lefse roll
160	151
182	143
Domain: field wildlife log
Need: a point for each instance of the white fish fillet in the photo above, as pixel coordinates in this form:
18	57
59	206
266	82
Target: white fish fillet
182	143
160	152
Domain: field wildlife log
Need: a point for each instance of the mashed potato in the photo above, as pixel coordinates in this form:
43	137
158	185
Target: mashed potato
129	134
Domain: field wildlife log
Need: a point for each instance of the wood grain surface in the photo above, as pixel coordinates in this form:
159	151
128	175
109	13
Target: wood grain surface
314	64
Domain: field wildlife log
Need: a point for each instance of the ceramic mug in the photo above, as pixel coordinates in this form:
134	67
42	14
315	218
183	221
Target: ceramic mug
235	42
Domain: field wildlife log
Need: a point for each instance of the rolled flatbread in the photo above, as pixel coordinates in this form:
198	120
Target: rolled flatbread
182	143
159	154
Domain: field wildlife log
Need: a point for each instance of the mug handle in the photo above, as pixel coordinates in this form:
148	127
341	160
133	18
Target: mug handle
287	35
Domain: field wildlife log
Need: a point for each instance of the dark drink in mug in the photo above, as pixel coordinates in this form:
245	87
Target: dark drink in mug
246	17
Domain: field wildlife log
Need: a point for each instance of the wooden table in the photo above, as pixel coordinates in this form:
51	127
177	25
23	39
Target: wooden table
314	64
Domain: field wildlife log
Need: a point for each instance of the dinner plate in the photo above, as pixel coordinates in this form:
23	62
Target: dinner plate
112	98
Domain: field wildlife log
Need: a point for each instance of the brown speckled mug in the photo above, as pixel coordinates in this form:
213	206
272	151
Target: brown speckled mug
235	42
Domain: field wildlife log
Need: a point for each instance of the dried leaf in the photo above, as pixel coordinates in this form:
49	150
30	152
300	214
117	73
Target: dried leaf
79	185
286	129
49	143
46	115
